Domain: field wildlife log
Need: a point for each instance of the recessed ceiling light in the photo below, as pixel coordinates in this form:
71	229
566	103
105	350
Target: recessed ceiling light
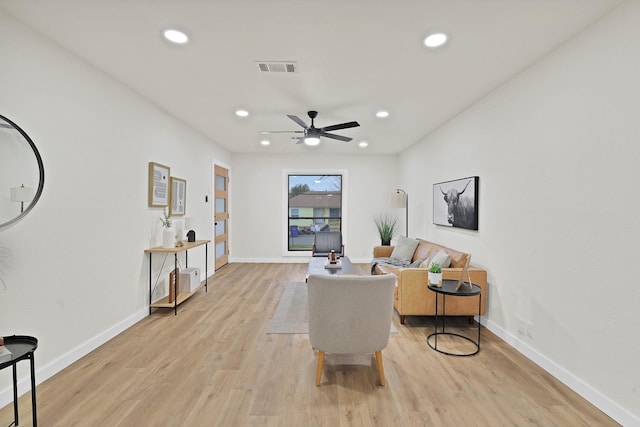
242	113
176	36
382	114
363	144
265	142
435	40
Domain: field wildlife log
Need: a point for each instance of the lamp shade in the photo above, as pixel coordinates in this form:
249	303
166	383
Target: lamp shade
22	194
399	200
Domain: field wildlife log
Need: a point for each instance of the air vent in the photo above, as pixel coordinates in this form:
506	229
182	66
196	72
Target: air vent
277	67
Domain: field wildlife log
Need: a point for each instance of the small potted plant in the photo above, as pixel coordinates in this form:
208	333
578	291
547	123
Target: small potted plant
435	274
386	225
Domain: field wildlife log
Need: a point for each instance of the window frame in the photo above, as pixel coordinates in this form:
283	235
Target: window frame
285	206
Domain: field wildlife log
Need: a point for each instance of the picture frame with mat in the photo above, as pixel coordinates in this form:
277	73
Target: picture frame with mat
465	269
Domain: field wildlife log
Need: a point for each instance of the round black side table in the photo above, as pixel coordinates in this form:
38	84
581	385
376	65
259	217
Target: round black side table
22	348
449	288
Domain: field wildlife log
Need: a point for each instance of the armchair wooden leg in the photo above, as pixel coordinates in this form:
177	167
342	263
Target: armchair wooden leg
319	368
380	367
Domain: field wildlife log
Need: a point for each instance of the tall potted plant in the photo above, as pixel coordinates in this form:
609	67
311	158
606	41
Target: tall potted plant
386	225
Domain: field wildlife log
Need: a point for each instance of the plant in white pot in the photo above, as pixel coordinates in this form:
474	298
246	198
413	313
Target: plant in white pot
168	233
435	274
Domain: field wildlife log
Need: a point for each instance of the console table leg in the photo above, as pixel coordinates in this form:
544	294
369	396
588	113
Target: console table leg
150	291
175	284
206	268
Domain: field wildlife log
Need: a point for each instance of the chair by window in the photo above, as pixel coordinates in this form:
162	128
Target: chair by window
350	314
325	242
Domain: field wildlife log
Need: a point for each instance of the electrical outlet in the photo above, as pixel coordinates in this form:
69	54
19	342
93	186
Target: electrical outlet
529	329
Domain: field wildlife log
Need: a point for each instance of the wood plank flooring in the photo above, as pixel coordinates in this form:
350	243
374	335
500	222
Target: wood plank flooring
214	365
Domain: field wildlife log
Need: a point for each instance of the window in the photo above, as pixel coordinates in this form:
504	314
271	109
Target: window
314	205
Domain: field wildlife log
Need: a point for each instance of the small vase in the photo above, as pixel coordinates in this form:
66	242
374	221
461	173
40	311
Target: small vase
386	243
168	238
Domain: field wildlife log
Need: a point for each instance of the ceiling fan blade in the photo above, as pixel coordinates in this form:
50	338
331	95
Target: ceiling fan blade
340	126
334	136
300	141
266	132
298	120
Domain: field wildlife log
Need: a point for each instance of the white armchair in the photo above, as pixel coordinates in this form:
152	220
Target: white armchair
350	314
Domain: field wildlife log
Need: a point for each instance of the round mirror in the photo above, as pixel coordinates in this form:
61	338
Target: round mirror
21	173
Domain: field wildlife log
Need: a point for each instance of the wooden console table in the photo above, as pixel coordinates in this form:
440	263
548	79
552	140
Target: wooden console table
182	296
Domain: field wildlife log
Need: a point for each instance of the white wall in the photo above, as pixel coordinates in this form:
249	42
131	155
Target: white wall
556	149
76	271
257	189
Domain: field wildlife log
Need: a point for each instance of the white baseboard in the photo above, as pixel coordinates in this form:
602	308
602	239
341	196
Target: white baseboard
602	402
46	372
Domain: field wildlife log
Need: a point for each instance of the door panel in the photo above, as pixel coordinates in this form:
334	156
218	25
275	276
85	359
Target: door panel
221	215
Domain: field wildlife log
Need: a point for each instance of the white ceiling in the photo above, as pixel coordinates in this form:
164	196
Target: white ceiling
354	57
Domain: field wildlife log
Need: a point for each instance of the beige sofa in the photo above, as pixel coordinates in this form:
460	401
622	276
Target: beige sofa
412	298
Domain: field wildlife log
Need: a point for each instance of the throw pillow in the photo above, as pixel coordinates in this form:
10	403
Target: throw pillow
442	258
404	249
425	263
417	263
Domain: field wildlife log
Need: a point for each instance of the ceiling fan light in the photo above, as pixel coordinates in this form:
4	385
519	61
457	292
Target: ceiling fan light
312	140
435	40
176	36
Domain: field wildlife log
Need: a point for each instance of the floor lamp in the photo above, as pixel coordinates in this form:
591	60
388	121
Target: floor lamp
401	200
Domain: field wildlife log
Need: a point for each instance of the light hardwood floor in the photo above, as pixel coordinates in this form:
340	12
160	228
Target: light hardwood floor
214	365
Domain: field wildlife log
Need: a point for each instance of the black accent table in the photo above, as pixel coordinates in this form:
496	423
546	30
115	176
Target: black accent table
449	288
22	348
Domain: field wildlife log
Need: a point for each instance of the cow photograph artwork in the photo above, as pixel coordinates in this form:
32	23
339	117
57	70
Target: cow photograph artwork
455	203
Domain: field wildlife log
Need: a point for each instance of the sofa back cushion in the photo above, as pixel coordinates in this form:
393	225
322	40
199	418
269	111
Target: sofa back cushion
428	249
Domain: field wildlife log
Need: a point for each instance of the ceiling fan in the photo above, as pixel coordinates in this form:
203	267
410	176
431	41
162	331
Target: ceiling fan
312	134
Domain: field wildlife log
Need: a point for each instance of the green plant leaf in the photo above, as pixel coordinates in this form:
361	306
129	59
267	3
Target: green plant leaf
386	225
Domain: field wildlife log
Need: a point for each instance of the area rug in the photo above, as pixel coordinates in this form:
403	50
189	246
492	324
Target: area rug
291	314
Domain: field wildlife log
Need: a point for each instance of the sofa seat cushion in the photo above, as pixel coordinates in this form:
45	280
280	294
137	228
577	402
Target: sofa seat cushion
387	265
382	268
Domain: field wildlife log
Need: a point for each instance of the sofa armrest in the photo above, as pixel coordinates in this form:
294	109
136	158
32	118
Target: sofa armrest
382	251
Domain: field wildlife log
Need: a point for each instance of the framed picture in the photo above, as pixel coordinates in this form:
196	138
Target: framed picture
455	203
158	185
178	197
